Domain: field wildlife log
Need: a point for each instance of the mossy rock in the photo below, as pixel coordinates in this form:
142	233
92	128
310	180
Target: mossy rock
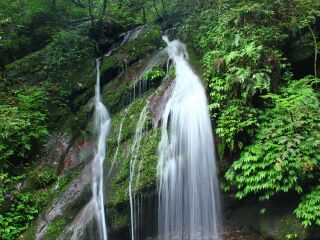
65	69
24	70
44	198
119	92
147	154
118	218
148	41
272	220
131	119
146	162
55	230
57	61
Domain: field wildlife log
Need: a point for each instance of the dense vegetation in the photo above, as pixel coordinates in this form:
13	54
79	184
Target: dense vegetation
266	119
259	60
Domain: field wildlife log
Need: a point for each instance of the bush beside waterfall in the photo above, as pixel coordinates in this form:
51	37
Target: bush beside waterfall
266	119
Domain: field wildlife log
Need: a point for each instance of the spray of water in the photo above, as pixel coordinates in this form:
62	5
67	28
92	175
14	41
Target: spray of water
187	182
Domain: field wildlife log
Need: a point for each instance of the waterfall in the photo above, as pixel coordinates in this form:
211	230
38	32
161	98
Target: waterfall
187	182
134	154
102	125
91	221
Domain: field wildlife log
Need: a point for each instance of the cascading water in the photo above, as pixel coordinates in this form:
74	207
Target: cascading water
128	36
134	151
102	125
92	220
187	182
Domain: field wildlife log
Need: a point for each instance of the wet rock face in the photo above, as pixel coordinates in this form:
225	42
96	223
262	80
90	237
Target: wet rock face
68	204
66	156
81	151
232	231
140	43
271	220
59	153
55	148
108	30
158	101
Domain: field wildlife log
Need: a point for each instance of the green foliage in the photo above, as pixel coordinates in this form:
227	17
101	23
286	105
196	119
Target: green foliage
34	197
121	13
237	74
154	74
55	229
23	116
22	124
17	219
285	151
7	184
65	52
142	11
309	208
234	119
241	47
43	178
291	236
27	25
267	123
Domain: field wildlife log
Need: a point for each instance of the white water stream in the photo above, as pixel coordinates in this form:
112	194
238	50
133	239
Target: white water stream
187	183
134	154
92	218
102	125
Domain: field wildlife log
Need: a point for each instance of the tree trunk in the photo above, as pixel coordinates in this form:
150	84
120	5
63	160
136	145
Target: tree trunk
156	9
53	4
315	51
90	9
144	15
103	11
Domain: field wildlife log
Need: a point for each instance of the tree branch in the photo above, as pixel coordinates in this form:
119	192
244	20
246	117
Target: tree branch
78	3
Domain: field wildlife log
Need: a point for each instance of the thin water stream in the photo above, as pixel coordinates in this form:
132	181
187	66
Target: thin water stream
134	154
102	125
